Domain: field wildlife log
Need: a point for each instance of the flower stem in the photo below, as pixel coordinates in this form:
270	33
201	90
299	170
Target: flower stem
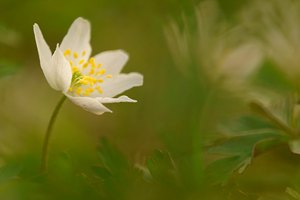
45	150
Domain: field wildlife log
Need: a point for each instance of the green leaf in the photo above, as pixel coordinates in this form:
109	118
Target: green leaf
101	172
113	172
272	78
293	193
282	113
237	153
9	171
220	170
248	124
242	144
159	160
62	167
161	166
111	158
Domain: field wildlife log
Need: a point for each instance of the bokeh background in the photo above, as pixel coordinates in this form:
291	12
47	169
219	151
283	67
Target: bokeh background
178	115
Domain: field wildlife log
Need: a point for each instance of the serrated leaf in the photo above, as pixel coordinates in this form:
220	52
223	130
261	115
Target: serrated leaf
161	166
159	159
220	170
111	158
101	172
113	171
246	123
242	144
238	152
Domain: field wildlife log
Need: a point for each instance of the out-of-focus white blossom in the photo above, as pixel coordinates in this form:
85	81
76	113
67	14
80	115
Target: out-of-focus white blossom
277	24
219	52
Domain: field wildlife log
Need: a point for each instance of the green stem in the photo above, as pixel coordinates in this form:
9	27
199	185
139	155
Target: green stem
44	163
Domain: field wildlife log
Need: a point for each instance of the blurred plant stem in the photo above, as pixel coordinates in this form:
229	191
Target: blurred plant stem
45	150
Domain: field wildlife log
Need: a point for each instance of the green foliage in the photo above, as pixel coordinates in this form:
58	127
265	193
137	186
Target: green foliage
9	171
161	167
239	152
250	136
113	174
111	158
272	78
293	193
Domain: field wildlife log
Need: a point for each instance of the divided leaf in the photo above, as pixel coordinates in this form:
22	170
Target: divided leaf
161	166
249	137
111	160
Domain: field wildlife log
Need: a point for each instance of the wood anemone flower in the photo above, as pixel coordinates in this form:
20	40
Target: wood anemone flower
87	81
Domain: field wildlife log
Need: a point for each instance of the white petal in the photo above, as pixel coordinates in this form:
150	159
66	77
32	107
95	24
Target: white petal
61	70
78	38
44	55
120	83
115	100
242	61
89	104
112	61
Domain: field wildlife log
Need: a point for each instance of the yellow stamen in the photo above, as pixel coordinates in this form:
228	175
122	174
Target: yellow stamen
98	88
81	61
84	82
92	61
75	55
78	91
93	80
90	80
88	91
85	65
99	65
92	71
67	52
71	63
83	53
70	89
75	69
100	80
101	72
108	76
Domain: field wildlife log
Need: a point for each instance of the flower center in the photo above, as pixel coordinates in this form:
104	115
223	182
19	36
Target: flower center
87	75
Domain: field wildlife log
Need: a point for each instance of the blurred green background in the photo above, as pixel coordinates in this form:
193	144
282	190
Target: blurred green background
162	132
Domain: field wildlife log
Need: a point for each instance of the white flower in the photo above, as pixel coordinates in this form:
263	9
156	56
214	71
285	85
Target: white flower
219	52
86	81
276	22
